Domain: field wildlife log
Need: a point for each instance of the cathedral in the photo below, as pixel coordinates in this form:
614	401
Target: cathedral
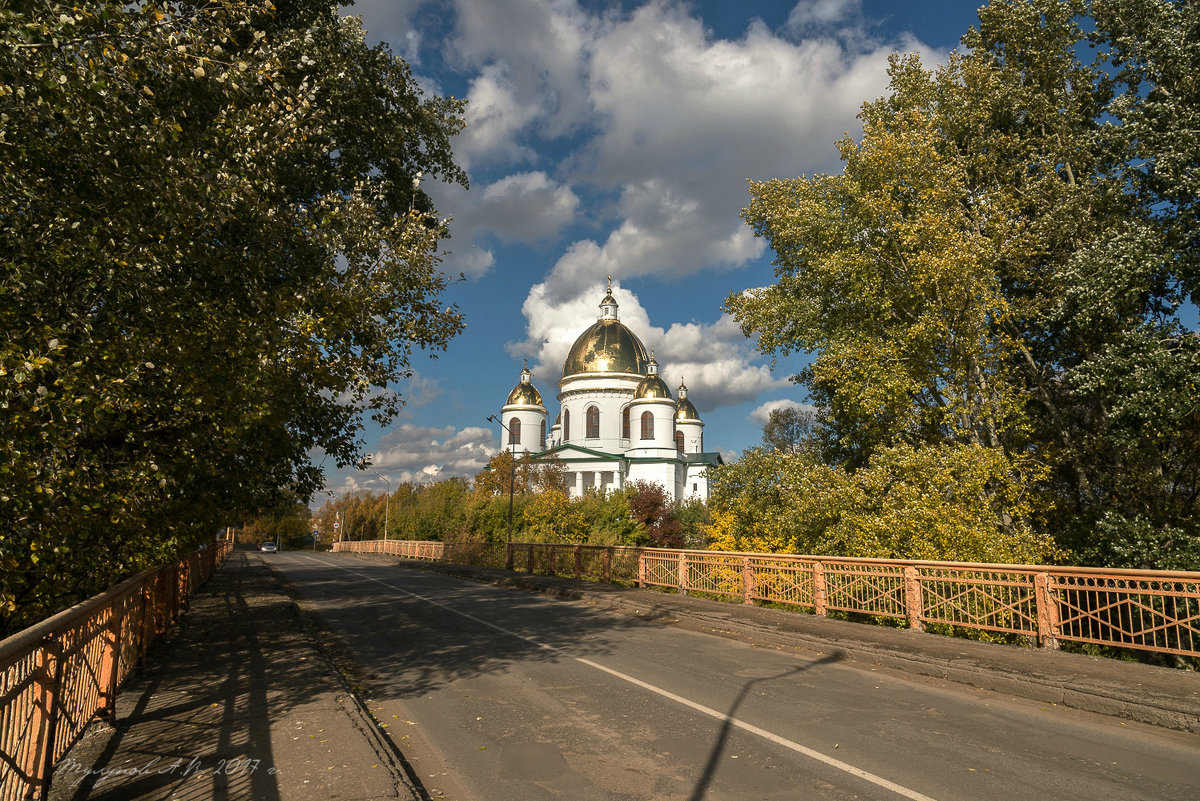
618	422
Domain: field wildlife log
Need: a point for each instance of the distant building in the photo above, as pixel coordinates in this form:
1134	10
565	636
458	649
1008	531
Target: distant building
617	421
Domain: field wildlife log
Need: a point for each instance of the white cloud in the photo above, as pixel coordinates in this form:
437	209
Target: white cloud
420	454
713	359
525	207
390	21
542	48
682	120
761	414
816	14
473	261
495	117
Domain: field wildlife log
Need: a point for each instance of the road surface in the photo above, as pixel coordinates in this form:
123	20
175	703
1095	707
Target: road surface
497	695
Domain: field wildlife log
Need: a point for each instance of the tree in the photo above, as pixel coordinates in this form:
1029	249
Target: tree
218	259
957	502
1002	263
788	429
288	524
650	506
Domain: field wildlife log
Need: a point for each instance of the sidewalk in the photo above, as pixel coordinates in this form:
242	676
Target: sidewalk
237	702
1129	690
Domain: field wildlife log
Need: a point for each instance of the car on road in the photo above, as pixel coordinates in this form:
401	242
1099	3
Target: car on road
268	547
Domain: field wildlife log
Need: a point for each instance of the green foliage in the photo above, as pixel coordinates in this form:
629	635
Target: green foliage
217	261
998	274
288	523
954	502
789	430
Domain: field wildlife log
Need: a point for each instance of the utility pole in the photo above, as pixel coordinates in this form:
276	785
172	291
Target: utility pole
386	502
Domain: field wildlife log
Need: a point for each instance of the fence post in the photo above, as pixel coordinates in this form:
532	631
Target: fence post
913	602
1047	611
551	567
578	561
110	660
145	620
606	565
819	598
39	759
508	556
529	560
747	581
681	577
641	574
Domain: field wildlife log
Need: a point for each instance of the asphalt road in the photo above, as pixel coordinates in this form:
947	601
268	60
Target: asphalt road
496	695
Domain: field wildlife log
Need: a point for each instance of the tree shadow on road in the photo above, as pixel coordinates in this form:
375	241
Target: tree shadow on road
727	725
403	643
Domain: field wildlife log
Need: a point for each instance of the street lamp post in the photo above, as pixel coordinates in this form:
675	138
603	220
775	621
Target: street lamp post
339	517
512	475
386	503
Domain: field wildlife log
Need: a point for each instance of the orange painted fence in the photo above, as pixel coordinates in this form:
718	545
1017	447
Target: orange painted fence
1150	610
58	675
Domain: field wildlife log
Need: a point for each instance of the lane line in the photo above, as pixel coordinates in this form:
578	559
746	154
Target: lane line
838	764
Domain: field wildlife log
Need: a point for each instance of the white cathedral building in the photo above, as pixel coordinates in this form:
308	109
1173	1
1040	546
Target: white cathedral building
618	422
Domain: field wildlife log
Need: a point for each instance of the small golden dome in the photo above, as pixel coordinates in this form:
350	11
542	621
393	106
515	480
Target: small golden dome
606	347
524	395
651	387
684	410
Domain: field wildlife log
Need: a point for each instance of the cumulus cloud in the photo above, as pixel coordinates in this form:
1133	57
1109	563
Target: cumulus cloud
525	207
421	454
542	48
682	120
472	261
394	19
495	116
714	359
762	413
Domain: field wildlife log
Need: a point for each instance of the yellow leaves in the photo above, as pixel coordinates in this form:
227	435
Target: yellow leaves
942	502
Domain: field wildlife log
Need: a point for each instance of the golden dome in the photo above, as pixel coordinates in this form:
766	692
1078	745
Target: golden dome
524	395
606	347
684	410
651	387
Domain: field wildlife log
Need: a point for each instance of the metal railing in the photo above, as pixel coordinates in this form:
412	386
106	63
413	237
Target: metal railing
1148	610
58	675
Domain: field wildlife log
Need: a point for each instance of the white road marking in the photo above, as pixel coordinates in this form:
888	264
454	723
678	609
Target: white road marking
741	724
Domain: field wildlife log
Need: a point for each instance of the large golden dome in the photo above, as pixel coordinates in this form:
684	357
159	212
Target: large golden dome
607	347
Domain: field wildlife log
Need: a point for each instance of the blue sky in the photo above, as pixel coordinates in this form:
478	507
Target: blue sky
617	138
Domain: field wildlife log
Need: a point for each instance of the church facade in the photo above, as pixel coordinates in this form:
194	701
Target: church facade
617	420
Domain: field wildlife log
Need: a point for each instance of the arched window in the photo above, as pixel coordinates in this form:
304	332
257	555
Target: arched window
514	431
625	423
593	422
542	436
566	424
679	441
647	425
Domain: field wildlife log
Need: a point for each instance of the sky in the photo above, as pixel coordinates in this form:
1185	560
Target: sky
617	138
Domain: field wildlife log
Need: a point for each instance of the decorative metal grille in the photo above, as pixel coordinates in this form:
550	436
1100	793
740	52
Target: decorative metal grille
979	599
